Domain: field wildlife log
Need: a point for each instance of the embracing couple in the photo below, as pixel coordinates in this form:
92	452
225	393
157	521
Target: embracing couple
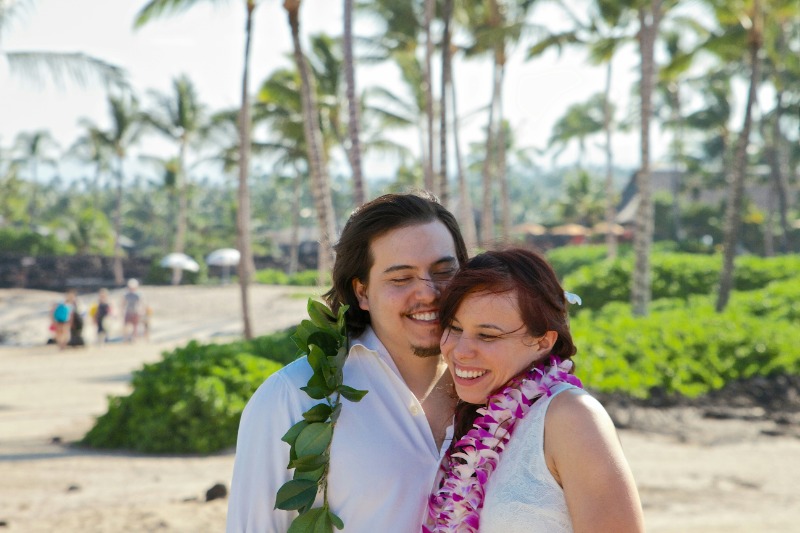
473	420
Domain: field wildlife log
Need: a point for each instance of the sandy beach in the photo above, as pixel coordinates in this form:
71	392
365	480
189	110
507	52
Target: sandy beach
696	473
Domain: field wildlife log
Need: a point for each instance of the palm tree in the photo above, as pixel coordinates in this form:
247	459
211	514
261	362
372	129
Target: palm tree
650	13
180	117
91	147
751	18
495	25
447	80
603	33
353	105
55	66
429	7
320	182
34	149
156	8
579	122
783	73
126	121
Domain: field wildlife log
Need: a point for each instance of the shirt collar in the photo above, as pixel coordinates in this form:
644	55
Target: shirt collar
370	341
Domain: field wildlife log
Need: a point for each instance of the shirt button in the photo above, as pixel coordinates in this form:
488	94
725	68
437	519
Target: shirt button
414	409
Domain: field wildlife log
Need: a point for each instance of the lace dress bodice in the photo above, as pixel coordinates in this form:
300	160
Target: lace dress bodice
521	495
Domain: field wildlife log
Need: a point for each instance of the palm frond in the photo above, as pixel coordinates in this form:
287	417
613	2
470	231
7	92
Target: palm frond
11	10
160	8
59	66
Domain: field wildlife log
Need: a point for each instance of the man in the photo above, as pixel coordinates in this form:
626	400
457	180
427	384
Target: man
393	257
131	305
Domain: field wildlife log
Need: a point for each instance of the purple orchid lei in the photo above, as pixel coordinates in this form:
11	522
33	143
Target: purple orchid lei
456	504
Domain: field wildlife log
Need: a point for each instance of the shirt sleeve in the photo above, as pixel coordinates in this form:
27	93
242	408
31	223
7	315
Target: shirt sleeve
261	459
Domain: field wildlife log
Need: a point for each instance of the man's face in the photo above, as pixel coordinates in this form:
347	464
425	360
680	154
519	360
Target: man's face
410	267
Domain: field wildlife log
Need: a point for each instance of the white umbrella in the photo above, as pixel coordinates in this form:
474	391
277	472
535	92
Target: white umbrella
226	258
178	261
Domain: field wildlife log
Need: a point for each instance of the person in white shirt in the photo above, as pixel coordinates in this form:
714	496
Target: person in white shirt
532	452
393	258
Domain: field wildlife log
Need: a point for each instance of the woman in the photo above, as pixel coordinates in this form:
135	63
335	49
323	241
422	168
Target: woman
532	451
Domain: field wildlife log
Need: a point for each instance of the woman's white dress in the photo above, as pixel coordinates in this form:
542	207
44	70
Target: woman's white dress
521	495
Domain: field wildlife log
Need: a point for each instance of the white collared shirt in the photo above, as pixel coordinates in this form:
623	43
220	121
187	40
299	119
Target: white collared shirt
383	455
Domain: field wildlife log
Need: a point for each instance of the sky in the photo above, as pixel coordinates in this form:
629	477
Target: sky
206	43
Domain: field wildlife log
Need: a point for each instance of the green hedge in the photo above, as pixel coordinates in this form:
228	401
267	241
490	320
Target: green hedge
567	259
683	347
674	275
305	278
191	401
32	243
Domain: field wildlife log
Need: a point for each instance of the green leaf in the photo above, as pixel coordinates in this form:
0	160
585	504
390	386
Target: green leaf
333	376
317	393
335	520
341	320
354	395
316	520
320	314
303	331
314	439
316	357
291	435
339	359
309	463
313	475
317	388
328	342
296	494
318	413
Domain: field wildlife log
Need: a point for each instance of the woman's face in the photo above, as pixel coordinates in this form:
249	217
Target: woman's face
488	344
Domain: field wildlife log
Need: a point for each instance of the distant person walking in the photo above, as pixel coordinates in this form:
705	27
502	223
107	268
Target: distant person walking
62	318
132	306
100	311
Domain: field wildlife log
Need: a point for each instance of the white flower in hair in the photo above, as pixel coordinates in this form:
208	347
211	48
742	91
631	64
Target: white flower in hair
572	298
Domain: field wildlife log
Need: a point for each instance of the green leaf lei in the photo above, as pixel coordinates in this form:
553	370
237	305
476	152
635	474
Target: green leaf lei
323	339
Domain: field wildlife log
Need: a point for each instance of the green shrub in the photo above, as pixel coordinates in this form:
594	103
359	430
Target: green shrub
567	259
780	300
271	276
305	278
32	243
191	401
753	272
685	349
674	275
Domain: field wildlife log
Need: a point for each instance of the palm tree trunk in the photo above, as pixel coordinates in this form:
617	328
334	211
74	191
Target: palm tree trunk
246	265
780	171
466	218
611	210
733	209
119	275
179	244
430	183
32	208
294	240
353	121
444	189
320	182
505	201
641	290
487	211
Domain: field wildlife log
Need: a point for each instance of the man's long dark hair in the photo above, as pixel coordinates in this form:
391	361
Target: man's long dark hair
370	221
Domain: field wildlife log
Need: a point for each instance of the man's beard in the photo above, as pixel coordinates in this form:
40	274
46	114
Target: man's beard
426	351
